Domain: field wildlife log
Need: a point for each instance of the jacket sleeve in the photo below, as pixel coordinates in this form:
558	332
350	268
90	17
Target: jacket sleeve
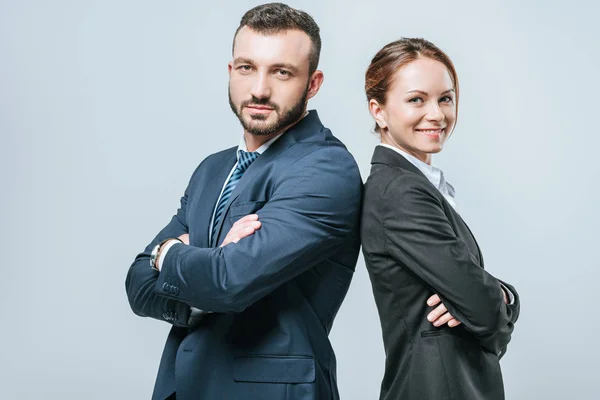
141	278
420	237
313	208
501	339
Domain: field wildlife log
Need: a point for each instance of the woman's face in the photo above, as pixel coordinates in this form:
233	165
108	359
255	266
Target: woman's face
420	111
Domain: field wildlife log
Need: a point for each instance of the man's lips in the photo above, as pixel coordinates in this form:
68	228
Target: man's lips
259	108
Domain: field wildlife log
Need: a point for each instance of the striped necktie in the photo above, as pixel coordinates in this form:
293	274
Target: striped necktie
244	160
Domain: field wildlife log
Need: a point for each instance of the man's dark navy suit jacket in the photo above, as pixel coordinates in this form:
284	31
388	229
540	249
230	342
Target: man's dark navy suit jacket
274	295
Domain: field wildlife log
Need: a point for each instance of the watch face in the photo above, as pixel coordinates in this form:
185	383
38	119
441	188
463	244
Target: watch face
153	255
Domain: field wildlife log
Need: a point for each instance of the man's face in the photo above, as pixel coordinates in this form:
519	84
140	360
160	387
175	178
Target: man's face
268	80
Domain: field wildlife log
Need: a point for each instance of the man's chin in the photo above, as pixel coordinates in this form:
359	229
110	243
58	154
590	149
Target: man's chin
259	127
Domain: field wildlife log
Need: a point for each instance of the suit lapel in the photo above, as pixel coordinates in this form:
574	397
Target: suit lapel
205	206
248	176
274	151
307	126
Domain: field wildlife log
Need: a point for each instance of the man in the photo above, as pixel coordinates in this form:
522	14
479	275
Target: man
255	264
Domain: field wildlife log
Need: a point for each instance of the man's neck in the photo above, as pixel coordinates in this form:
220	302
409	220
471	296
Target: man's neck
253	142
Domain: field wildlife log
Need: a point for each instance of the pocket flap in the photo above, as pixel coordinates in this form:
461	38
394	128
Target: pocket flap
274	369
237	211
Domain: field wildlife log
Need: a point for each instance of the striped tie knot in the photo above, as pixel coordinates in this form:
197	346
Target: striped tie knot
245	159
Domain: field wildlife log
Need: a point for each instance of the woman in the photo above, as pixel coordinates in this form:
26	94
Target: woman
446	321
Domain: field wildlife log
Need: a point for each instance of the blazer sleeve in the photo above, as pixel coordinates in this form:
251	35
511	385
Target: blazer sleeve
421	238
314	207
141	278
501	339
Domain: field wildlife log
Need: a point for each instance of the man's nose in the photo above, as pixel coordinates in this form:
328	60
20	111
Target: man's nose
261	88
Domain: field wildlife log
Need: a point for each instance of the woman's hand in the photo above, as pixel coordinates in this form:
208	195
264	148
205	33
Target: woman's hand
440	315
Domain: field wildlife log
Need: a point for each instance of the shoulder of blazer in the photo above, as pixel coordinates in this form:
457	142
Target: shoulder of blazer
388	177
220	157
391	189
215	161
406	182
391	170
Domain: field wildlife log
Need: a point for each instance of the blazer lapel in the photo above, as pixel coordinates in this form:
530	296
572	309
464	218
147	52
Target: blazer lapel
210	192
307	126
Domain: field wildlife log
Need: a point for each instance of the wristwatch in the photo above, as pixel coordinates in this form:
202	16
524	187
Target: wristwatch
156	251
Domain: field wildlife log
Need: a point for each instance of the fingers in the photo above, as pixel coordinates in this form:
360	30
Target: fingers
247	218
444	319
505	296
433	300
242	228
437	313
454	322
440	315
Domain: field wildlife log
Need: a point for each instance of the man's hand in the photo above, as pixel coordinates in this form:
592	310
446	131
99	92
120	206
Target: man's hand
440	315
243	227
185	238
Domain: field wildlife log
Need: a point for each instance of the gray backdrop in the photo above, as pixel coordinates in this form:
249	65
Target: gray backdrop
106	108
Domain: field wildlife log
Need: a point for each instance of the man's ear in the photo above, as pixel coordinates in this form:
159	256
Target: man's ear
314	84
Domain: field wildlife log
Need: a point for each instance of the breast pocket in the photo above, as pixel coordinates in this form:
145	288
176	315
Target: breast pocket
237	211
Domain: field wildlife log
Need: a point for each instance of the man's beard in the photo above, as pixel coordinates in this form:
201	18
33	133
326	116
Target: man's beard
290	117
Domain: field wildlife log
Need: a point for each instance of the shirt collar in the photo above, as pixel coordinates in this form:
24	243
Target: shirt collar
261	149
433	174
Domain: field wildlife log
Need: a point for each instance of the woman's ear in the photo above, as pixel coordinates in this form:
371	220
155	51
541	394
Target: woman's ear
378	113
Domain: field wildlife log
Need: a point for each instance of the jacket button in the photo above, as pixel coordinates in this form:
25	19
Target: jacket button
165	316
165	287
175	290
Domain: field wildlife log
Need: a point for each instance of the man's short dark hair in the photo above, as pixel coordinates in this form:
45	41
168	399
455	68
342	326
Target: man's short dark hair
274	18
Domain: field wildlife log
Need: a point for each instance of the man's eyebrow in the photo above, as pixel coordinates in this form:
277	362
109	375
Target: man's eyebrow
286	66
242	60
